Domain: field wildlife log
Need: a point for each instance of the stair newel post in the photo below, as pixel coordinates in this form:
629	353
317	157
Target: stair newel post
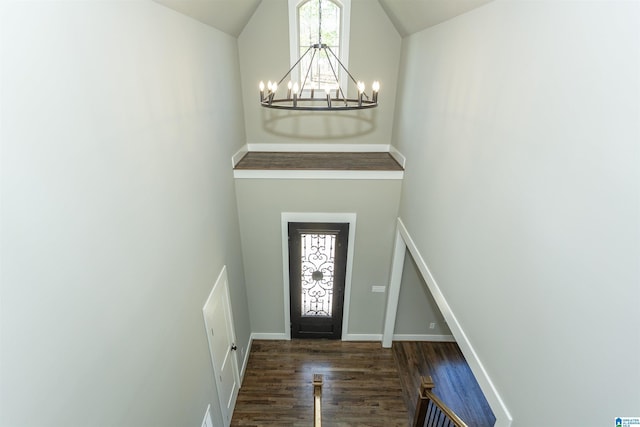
317	400
426	385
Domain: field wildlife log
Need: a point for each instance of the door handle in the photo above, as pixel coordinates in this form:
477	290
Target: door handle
234	347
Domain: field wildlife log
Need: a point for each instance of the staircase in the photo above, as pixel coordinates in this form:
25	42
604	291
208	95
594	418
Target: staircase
431	412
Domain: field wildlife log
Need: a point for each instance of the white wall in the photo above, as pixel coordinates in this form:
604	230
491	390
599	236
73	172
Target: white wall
520	121
416	307
118	212
374	54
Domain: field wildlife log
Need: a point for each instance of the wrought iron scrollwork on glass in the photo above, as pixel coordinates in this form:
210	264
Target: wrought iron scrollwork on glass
317	266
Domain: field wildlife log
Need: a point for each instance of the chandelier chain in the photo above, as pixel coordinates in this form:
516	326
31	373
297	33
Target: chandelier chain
298	99
320	22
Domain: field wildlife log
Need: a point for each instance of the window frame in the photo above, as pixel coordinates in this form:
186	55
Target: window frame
294	39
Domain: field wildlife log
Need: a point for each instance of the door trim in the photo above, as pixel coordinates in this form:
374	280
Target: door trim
286	218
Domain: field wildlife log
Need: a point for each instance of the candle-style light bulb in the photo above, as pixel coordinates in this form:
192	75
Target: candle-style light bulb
289	86
360	93
376	88
295	94
360	87
272	90
261	86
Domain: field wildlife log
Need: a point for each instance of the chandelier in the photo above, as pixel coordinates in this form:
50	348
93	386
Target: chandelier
331	98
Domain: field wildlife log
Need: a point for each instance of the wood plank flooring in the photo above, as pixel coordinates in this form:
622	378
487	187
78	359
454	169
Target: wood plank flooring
257	160
455	384
364	384
361	385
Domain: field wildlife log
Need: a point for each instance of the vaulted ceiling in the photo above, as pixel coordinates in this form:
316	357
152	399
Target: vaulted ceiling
408	16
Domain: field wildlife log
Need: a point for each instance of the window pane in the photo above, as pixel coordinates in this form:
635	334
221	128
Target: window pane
315	27
317	267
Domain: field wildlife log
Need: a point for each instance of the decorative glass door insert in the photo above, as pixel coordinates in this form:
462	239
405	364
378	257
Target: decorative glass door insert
317	259
317	271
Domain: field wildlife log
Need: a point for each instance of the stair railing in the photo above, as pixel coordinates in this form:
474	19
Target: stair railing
431	412
317	400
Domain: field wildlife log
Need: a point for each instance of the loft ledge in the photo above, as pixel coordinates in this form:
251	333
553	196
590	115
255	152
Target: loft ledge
314	161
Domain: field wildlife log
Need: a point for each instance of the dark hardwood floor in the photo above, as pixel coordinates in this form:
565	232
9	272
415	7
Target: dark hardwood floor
361	385
455	384
364	384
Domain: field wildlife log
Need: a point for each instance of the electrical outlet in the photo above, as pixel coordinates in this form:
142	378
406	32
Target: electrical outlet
432	325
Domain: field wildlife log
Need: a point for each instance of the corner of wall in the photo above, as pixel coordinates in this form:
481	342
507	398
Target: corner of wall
503	417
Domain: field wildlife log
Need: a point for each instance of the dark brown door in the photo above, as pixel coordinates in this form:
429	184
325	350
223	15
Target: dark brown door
317	271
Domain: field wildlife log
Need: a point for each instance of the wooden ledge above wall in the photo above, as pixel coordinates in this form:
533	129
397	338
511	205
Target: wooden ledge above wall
261	160
308	162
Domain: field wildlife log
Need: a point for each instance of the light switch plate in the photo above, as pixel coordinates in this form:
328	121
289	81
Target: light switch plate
376	288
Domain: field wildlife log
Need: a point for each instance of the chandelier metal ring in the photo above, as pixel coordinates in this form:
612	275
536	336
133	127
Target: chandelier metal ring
334	99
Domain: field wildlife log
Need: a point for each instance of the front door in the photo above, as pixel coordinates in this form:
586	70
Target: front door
317	272
218	321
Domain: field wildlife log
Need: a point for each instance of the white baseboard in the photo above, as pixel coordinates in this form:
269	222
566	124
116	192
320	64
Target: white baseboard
397	155
284	337
268	336
207	421
315	174
311	148
239	155
345	337
246	358
423	337
361	337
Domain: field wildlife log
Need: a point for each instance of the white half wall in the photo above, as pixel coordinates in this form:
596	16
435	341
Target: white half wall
404	242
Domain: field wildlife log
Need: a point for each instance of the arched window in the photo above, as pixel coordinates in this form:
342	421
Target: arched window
319	21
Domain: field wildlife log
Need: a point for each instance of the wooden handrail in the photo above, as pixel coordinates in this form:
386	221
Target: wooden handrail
434	412
317	400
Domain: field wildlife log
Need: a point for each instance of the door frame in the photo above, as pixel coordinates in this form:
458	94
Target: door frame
332	217
223	281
